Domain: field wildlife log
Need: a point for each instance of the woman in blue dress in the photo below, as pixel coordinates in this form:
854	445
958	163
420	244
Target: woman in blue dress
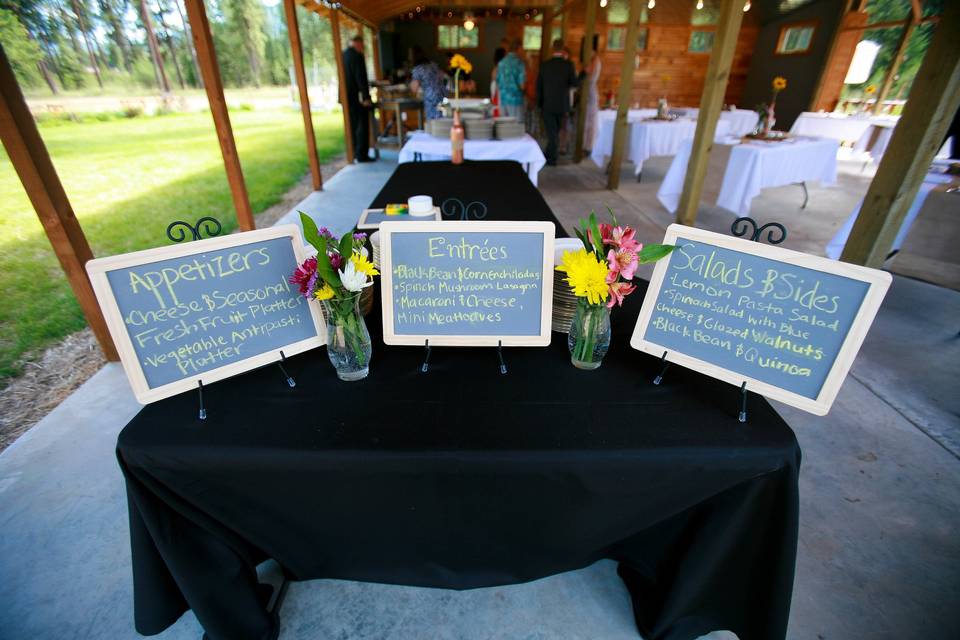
428	78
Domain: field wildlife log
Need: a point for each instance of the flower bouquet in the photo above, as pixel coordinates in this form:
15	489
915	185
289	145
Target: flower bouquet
336	276
767	111
601	276
457	133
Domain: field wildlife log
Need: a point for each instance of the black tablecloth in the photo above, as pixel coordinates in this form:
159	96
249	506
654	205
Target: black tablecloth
464	478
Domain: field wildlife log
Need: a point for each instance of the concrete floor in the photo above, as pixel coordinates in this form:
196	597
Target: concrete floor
879	553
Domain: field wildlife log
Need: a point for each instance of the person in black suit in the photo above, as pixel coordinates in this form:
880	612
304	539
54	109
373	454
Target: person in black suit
557	75
358	98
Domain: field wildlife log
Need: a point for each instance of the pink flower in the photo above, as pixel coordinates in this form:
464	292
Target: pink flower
305	276
623	237
618	291
623	263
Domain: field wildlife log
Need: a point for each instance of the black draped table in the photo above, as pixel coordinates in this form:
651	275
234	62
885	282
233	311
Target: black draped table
463	477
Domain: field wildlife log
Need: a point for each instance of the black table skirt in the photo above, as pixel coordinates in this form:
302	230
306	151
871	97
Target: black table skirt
463	478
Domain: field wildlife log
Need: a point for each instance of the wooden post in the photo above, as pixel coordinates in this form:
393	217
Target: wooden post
296	52
207	57
711	101
546	35
29	157
894	67
624	94
342	81
919	134
585	87
377	70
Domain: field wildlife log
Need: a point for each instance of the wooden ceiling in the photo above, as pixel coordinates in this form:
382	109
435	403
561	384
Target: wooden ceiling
373	12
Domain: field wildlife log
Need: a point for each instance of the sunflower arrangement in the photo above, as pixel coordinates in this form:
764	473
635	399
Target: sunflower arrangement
601	276
460	64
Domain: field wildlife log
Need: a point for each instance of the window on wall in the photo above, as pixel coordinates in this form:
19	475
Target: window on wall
795	38
701	41
618	12
454	36
705	12
533	36
616	37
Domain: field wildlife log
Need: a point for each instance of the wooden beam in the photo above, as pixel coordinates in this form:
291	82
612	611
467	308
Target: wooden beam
377	69
342	81
207	57
891	74
828	59
588	31
29	157
711	102
624	93
296	52
889	24
919	134
546	35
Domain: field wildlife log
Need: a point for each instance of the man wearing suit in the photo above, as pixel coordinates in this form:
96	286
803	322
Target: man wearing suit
358	98
554	81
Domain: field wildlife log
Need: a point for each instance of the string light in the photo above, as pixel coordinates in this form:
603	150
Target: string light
603	3
419	8
651	4
699	5
468	22
747	6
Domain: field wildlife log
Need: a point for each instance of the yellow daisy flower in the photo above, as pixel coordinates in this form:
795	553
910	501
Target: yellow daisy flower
779	83
586	275
363	265
459	62
324	293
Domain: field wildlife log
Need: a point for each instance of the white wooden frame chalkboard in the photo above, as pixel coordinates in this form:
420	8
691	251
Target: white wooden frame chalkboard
145	394
542	339
878	281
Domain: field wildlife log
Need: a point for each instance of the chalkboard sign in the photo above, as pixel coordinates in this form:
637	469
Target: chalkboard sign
205	310
467	283
786	323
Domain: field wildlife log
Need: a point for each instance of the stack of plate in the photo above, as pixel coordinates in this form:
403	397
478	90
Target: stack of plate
477	129
375	246
440	127
507	128
564	302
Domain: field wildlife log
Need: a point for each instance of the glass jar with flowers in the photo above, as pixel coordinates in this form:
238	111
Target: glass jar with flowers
767	111
457	133
601	276
336	277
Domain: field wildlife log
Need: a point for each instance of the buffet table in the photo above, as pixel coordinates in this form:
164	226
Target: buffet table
462	477
754	166
525	150
867	134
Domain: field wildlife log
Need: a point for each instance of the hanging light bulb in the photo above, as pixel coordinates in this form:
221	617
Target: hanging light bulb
468	22
699	5
603	3
651	4
747	6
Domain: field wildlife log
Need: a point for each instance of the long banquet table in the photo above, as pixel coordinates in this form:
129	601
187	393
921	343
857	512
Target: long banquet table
754	166
463	477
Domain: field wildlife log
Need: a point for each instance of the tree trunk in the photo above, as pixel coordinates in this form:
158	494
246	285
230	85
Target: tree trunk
69	27
86	39
155	56
42	65
170	46
190	47
116	33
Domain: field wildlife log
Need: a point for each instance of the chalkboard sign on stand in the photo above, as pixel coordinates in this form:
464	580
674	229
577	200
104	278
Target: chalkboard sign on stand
467	283
785	323
205	310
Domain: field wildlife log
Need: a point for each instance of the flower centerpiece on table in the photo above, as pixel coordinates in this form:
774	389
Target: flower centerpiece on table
767	111
663	109
335	277
601	275
868	91
457	133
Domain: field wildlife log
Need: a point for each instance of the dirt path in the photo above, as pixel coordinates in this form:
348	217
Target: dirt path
49	378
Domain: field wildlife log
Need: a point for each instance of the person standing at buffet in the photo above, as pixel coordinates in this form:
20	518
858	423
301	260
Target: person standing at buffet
557	76
428	77
511	77
358	97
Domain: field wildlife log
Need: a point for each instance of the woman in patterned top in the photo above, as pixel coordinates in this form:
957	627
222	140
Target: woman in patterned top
428	78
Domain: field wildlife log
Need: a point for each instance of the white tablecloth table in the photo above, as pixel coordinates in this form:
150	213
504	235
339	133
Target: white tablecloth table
525	150
839	239
661	138
742	121
755	166
602	144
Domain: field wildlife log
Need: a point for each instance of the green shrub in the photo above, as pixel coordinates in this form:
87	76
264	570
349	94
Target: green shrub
132	111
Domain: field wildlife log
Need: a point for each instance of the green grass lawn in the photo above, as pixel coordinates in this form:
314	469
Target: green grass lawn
127	179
